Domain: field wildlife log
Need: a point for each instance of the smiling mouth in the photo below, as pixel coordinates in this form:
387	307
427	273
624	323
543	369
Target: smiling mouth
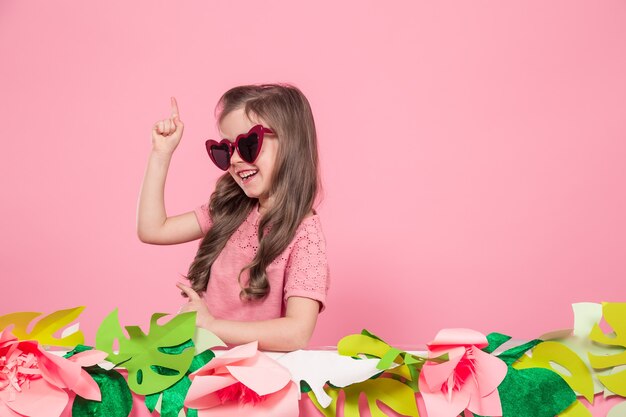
247	175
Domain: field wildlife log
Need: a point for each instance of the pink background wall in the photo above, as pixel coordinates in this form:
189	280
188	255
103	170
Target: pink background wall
473	153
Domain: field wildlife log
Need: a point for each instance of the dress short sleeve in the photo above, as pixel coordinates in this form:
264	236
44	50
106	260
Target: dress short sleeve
306	272
204	220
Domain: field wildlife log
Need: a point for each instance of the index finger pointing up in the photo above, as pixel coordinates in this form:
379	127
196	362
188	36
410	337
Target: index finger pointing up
193	296
174	108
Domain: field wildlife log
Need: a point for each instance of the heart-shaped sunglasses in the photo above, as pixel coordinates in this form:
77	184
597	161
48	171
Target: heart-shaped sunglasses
248	146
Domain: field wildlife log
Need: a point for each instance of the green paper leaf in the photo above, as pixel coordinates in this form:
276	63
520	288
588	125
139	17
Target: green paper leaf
304	387
117	400
43	331
152	400
143	354
575	373
200	360
366	332
77	349
388	359
512	355
535	392
495	341
172	398
397	396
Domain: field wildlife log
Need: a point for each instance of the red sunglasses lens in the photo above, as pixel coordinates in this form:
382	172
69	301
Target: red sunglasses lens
220	155
248	147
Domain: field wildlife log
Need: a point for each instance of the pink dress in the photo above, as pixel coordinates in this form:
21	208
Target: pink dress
301	270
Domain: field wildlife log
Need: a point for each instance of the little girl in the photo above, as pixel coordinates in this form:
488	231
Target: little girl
260	272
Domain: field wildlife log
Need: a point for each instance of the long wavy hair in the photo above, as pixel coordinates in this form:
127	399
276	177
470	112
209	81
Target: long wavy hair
294	184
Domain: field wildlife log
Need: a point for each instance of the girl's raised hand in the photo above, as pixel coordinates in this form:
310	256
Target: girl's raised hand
197	304
166	134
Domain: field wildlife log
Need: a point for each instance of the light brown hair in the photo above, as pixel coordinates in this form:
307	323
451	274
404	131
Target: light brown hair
294	184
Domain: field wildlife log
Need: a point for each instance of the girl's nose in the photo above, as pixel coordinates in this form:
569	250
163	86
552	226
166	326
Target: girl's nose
234	158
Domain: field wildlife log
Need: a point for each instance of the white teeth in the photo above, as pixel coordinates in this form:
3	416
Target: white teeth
247	174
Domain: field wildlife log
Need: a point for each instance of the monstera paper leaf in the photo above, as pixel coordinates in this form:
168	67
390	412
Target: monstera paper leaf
392	360
169	403
615	316
43	331
395	388
394	394
150	367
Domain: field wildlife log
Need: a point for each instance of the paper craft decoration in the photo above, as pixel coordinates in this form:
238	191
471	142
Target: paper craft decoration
586	316
243	381
467	380
204	340
395	387
150	369
615	316
618	411
43	331
318	367
539	382
33	382
394	394
169	403
577	374
367	344
535	392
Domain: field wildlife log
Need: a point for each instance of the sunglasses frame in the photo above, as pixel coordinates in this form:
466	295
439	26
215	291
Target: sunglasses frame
260	130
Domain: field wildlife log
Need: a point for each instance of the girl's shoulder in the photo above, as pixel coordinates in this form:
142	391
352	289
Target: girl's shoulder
310	225
311	217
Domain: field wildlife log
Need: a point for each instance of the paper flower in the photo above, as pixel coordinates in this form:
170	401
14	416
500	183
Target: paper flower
467	380
33	382
243	381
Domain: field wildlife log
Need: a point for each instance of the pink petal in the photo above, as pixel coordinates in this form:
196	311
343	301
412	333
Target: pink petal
87	388
201	393
89	357
490	371
6	337
40	400
488	405
456	337
435	374
7	412
67	412
283	403
58	370
438	404
234	355
266	377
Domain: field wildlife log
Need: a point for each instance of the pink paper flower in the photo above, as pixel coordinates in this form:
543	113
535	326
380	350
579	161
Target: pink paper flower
33	382
468	380
243	381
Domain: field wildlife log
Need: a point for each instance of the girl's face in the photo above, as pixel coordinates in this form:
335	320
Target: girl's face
255	179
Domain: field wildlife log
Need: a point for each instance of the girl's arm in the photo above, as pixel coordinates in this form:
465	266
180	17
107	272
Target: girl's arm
288	333
153	225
